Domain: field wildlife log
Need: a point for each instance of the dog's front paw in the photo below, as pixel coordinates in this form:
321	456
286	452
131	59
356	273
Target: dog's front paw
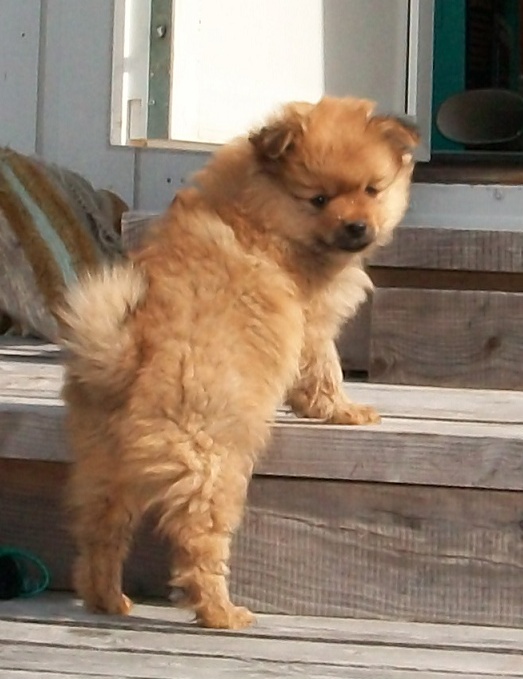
230	617
354	413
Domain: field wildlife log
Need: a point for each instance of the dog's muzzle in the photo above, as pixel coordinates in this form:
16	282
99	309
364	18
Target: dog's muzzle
353	236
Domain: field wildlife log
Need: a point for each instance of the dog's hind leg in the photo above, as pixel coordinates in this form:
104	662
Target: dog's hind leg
201	533
102	528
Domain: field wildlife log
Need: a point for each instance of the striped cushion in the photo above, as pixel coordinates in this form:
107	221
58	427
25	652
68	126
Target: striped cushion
53	226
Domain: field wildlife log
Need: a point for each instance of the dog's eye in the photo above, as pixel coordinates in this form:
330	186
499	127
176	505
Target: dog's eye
319	201
371	191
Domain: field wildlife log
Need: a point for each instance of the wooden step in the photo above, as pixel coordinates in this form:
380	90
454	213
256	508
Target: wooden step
445	312
419	518
53	637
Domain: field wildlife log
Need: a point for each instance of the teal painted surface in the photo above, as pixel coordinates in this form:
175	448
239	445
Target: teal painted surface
45	228
159	69
449	61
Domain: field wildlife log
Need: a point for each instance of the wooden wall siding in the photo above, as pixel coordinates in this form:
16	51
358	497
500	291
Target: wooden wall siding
76	92
453	249
446	310
314	547
55	91
449	338
397	552
19	53
33	516
417	518
354	342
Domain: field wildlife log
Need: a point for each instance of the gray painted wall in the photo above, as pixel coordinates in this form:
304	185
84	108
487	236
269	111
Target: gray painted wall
55	68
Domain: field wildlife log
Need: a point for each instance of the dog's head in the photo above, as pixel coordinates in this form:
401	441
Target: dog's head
344	173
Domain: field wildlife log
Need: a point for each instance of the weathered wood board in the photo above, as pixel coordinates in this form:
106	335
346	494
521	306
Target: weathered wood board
429	436
451	338
453	249
417	518
422	247
449	325
53	637
354	341
317	547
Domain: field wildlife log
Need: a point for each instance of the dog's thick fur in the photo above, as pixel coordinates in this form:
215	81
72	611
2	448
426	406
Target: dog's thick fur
178	359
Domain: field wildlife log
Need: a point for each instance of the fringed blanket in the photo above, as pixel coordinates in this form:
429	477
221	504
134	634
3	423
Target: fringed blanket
53	226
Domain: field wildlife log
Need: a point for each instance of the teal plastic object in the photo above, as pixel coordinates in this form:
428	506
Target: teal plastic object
22	574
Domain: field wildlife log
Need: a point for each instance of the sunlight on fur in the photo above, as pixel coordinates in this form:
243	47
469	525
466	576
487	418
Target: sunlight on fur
177	360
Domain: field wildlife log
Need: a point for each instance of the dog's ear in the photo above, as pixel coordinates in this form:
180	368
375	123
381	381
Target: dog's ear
401	134
272	141
275	140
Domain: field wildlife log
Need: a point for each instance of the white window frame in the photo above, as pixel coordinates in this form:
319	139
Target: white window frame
130	82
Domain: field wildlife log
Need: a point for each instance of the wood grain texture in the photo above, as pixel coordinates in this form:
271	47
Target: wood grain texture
354	341
397	451
316	547
443	279
80	662
428	436
447	338
382	551
426	247
422	247
400	451
159	656
33	517
331	528
59	607
31	368
54	636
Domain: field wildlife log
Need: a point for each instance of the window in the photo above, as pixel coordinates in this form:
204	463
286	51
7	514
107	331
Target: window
478	82
194	73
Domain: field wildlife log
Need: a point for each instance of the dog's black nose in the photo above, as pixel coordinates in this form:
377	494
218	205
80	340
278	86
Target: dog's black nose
353	236
355	230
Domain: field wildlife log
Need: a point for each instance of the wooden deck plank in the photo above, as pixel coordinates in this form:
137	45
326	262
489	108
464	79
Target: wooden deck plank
222	669
22	347
79	664
453	249
152	643
428	435
423	247
397	451
15	673
159	651
441	403
59	608
401	451
36	369
397	552
466	338
319	548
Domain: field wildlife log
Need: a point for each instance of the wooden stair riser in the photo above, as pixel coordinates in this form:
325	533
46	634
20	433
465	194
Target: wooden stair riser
318	547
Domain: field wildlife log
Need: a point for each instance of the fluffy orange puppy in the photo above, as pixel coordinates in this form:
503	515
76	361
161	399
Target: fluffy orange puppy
178	359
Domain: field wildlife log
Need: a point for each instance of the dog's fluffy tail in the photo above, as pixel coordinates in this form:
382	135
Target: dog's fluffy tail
102	351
